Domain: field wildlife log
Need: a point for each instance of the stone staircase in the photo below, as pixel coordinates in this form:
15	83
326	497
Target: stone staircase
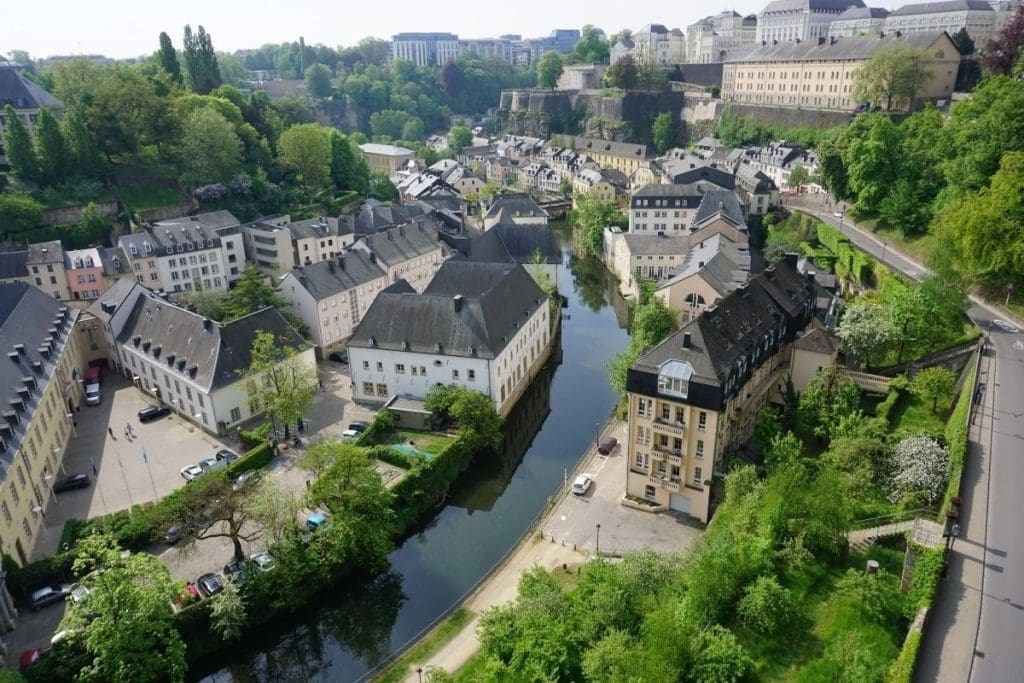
923	532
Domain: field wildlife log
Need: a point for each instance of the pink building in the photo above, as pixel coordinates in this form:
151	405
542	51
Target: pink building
85	274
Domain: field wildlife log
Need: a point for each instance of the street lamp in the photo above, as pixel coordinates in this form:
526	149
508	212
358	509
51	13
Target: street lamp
954	532
597	542
419	672
885	246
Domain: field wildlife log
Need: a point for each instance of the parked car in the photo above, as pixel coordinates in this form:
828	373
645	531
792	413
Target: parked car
209	585
75	481
49	595
315	521
212	464
226	455
582	483
359	426
607	445
78	593
235	571
263	562
837	214
150	413
339	357
190	472
349	435
93	395
172	535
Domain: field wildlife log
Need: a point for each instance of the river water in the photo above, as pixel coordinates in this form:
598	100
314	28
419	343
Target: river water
348	633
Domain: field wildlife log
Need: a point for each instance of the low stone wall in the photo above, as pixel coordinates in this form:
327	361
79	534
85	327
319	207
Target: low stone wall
72	214
791	117
165	213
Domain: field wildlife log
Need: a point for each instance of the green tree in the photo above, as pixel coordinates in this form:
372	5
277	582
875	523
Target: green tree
829	397
892	77
168	57
306	149
589	218
348	167
865	329
934	384
209	150
21	155
83	155
652	322
920	465
318	81
350	485
125	113
459	136
766	606
200	61
592	47
904	209
51	150
663	132
872	159
252	292
451	78
478	422
782	450
381	187
798	177
92	226
279	380
623	73
549	69
18	213
228	616
720	657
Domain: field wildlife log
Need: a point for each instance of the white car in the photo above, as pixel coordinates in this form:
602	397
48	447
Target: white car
263	561
349	435
1005	326
838	214
582	484
190	472
93	395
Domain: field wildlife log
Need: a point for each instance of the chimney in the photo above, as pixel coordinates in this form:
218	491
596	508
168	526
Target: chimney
686	340
331	266
457	300
831	40
373	257
341	262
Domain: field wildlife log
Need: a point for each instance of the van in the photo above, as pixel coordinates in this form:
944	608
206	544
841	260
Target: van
92	374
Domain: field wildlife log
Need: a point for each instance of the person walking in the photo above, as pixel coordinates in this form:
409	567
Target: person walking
111	430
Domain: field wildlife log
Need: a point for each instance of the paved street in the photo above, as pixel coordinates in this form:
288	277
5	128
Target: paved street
574	522
973	632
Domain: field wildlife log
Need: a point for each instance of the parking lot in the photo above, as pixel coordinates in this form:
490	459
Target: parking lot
574	521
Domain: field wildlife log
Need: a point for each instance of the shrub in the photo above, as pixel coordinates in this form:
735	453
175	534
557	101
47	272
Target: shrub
257	458
957	438
392	456
924	580
902	670
255	437
382	425
920	466
765	606
23	580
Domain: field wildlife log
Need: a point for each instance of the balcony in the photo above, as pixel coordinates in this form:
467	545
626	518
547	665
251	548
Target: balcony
665	481
664	426
672	455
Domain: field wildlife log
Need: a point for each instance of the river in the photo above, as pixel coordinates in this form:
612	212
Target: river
348	633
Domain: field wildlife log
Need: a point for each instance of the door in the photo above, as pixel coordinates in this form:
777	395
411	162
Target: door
679	503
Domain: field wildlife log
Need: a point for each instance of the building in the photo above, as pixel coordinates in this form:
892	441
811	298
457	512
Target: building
818	74
663	209
713	268
533	246
709	39
410	251
425	49
201	253
456	176
26	97
276	244
192	364
679	167
658	44
387	158
815	350
332	296
977	16
483	326
858	21
778	159
85	272
799	20
695	397
628	157
517	208
604	185
40	265
488	47
41	380
636	259
756	190
582	77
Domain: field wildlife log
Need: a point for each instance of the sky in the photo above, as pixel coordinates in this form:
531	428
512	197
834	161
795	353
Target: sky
128	28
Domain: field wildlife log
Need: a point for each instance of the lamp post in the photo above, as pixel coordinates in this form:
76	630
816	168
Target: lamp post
597	542
57	451
419	672
885	246
954	532
597	433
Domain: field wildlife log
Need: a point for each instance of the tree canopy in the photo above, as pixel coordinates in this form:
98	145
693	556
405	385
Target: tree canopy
549	69
892	77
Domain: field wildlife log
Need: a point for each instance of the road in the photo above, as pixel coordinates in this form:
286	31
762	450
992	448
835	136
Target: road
974	629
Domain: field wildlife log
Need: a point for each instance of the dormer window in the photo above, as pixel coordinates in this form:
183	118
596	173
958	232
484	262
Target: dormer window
170	250
149	248
674	378
132	248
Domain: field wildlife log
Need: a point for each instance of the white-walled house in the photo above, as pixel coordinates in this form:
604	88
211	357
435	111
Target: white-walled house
484	326
410	251
190	363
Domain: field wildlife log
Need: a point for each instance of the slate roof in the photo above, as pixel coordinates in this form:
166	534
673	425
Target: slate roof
385	150
720	202
373	217
754	181
23	94
780	6
854	47
211	219
627	150
818	340
27	316
727	268
509	205
937	7
114	261
401	243
655	245
340	274
496	300
13	264
199	231
46	252
852	13
523	241
678	196
690	169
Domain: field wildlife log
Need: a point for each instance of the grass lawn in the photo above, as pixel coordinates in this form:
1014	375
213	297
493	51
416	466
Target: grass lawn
149	197
917	247
913	415
427	647
424	441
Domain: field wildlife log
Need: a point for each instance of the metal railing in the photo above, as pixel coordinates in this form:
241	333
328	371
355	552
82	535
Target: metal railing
893	518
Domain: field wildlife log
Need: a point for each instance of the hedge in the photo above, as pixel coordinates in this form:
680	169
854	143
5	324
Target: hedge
382	425
885	408
957	436
392	456
902	670
924	580
422	489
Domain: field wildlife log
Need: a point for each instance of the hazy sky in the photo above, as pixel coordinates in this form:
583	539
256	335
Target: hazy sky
123	28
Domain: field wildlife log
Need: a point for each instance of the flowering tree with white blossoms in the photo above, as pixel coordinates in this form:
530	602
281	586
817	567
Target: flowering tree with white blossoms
920	466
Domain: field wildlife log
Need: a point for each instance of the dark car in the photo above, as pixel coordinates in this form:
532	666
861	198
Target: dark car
359	426
75	481
227	456
151	413
607	445
235	571
209	585
172	535
49	595
339	357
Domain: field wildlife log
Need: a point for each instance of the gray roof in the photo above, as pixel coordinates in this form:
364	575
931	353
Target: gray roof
13	264
416	238
182	232
852	13
691	169
629	150
679	195
114	262
809	5
753	180
937	7
720	202
339	274
211	219
655	245
385	150
819	340
373	217
510	205
312	227
469	309
523	241
31	319
854	47
46	252
23	94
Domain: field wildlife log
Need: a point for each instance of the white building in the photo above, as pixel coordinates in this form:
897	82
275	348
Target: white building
425	49
663	209
710	38
484	326
277	244
804	20
410	252
977	16
858	21
659	44
332	296
190	363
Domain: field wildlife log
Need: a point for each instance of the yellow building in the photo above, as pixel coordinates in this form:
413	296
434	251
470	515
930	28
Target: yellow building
695	397
45	359
630	158
819	74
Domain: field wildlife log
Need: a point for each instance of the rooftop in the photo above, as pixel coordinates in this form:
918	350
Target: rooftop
340	274
834	49
939	7
385	150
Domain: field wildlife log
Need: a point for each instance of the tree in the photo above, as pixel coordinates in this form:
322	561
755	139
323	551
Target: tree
51	150
892	77
125	112
782	450
348	167
720	657
451	79
18	213
798	177
459	136
127	625
663	131
168	57
209	150
766	606
228	613
83	155
279	380
381	187
306	149
200	61
549	69
590	217
934	384
865	329
652	322
21	155
251	293
829	397
479	423
1004	52
920	465
872	159
318	81
592	47
350	485
904	209
963	41
623	73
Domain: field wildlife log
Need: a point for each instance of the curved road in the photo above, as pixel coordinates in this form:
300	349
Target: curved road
975	631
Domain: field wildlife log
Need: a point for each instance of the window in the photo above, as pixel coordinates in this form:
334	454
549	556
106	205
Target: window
698	477
25	527
236	414
472	375
382	390
415	371
700	448
400	368
368	388
6	511
666	412
366	365
455	375
380	367
154	276
423	371
702	421
645	408
649	492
